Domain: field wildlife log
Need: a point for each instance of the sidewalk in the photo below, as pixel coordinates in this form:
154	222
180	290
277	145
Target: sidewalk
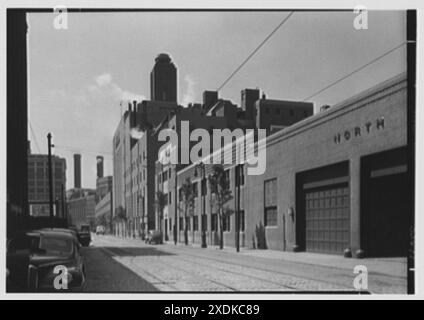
395	267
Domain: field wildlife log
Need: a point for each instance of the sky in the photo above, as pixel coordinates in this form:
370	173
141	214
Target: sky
79	75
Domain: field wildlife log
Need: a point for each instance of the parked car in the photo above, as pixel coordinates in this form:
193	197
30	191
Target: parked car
100	230
154	237
69	231
32	258
84	235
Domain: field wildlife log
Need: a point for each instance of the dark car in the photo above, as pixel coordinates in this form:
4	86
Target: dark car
154	237
44	261
84	235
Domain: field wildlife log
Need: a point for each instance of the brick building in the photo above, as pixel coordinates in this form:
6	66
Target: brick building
38	184
334	182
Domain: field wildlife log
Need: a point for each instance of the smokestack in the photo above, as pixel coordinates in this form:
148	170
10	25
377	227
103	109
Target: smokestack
77	171
99	166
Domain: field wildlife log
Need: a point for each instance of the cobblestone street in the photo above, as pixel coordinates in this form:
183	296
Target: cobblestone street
127	265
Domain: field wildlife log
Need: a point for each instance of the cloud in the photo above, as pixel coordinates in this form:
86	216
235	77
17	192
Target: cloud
103	79
104	85
189	95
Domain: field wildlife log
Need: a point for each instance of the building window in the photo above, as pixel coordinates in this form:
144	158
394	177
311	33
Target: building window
291	112
195	189
204	187
267	110
196	223
214	222
180	194
241	220
270	194
227	175
277	111
159	178
165	176
181	223
204	222
188	223
170	224
170	197
240	175
226	223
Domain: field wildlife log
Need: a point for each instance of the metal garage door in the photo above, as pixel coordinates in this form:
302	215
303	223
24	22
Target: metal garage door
327	212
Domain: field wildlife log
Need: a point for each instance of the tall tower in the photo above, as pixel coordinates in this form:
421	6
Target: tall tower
99	166
163	79
77	170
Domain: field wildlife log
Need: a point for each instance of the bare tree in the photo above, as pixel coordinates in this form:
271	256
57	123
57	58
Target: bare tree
220	186
187	190
160	204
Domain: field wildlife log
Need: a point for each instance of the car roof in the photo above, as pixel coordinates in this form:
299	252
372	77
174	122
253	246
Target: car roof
55	233
59	230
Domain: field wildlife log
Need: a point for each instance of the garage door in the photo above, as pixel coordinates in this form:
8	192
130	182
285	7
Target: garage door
327	213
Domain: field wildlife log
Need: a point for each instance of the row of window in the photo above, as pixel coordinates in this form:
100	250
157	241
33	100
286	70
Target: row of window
277	111
194	222
164	176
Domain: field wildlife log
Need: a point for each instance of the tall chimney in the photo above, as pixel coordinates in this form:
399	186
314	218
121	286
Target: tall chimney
77	171
99	166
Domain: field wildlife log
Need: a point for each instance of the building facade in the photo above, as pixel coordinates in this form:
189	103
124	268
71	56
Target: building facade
104	211
334	183
38	184
134	154
82	207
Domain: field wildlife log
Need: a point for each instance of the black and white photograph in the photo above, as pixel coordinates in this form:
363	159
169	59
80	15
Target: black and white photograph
209	151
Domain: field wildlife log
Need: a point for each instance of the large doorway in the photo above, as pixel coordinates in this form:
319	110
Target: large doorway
323	223
386	208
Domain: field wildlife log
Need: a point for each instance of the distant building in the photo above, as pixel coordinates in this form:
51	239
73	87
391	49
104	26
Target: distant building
77	171
104	203
103	212
81	207
103	187
100	160
274	115
134	152
163	79
38	184
248	99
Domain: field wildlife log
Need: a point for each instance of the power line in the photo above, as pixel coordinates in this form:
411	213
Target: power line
254	51
34	136
355	71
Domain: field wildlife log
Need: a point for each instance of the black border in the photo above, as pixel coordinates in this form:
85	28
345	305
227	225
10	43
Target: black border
411	118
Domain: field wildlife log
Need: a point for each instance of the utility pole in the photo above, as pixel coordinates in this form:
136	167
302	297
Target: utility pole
203	194
176	202
49	145
63	201
238	181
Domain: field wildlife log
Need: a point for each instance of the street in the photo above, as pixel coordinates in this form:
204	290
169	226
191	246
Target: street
129	265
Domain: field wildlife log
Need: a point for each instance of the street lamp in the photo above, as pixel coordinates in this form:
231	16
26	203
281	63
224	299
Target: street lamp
201	166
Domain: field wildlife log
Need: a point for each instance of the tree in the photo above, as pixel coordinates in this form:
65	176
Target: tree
187	190
220	186
120	215
160	204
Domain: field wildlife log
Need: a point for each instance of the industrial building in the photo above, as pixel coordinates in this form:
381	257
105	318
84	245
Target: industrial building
334	183
38	184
